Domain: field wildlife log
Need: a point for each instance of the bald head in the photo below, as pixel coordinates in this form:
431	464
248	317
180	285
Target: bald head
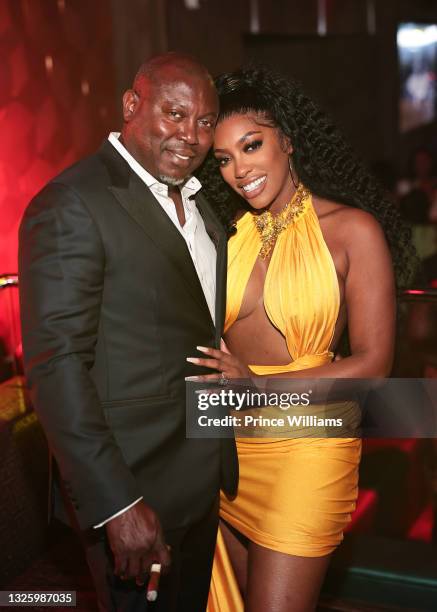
160	66
169	116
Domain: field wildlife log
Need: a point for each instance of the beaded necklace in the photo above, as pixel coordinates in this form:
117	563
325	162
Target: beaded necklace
269	226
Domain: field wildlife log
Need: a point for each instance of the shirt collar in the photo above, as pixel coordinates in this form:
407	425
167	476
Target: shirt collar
190	188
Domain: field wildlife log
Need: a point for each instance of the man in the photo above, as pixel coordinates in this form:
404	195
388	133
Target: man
122	269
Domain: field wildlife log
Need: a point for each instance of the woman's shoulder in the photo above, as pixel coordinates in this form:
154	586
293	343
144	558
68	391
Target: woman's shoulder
347	219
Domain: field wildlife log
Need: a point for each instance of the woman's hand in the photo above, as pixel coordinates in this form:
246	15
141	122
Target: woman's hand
222	360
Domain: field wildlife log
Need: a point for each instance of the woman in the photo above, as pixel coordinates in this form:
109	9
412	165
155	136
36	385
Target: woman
308	258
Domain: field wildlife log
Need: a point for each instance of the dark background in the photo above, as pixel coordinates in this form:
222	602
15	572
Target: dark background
65	63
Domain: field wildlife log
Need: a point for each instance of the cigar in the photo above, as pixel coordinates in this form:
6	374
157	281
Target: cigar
152	587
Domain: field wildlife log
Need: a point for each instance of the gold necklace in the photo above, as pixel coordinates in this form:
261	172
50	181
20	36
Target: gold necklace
269	227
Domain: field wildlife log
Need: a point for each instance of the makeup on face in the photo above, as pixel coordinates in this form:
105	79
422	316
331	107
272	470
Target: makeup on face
253	160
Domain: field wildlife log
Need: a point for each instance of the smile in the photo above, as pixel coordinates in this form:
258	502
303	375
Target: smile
254	184
181	156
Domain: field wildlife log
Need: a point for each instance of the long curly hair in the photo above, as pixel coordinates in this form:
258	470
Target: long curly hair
323	161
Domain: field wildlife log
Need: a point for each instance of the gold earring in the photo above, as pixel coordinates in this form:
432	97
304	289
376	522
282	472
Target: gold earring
290	165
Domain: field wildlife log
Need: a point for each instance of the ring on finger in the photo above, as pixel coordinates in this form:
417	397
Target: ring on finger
223	380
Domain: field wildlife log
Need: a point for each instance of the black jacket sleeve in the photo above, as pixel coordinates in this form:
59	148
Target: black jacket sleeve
62	267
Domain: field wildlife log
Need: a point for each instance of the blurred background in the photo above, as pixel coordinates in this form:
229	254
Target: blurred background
372	65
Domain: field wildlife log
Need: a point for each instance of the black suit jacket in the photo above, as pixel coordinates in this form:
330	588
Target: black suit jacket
111	306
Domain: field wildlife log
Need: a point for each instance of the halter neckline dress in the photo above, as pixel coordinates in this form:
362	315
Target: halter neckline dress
295	495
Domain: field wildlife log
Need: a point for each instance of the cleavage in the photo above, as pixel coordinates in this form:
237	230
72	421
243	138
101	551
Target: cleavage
253	297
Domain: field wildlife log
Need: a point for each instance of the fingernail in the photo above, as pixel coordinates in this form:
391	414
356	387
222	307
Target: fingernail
203	349
193	359
192	378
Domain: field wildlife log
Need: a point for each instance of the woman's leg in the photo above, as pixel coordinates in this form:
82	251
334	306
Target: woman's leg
277	582
236	546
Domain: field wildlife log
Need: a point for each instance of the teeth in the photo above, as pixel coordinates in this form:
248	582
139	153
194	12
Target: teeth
182	156
254	184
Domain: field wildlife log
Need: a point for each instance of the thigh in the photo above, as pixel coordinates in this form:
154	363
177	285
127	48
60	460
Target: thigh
236	546
312	498
196	557
278	582
295	496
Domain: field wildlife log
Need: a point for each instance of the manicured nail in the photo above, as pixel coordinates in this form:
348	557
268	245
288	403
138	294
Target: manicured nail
192	378
203	349
193	359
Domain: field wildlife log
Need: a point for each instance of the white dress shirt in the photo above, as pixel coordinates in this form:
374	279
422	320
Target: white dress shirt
200	245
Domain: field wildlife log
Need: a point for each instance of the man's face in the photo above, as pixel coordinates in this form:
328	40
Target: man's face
169	125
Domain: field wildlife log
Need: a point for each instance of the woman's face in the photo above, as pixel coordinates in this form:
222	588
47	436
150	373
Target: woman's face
253	160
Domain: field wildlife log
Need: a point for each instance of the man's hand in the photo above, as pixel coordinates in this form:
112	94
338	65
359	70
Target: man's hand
137	541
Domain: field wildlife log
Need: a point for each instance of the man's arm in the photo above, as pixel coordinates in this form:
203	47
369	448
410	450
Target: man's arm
61	267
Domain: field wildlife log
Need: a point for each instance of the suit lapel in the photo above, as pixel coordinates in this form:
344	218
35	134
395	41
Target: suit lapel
218	236
140	204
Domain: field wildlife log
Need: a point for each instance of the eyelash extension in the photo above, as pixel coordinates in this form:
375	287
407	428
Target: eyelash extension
248	147
255	144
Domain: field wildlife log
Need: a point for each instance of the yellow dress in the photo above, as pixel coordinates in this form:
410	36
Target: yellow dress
295	495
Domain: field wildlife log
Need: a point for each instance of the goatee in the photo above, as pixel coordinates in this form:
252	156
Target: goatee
171	180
